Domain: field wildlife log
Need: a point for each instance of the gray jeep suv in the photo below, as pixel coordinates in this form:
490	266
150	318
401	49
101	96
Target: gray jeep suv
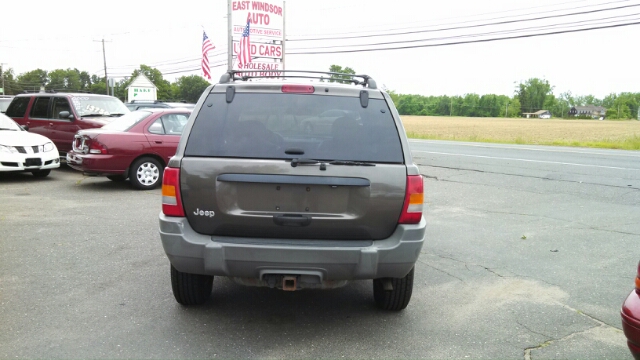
252	194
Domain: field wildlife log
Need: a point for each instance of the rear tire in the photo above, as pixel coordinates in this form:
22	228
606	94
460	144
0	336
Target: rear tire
116	178
146	173
41	173
190	289
396	299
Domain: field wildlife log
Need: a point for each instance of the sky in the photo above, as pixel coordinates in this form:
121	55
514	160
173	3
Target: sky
168	35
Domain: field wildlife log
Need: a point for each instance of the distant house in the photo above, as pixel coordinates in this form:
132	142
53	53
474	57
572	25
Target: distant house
588	110
542	114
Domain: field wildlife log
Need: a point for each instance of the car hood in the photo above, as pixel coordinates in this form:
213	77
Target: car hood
21	138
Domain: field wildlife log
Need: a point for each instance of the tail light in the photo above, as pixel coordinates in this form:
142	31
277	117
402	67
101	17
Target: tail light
171	202
413	199
300	89
96	147
638	280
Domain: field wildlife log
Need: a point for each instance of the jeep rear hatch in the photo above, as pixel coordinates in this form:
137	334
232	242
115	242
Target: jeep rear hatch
289	165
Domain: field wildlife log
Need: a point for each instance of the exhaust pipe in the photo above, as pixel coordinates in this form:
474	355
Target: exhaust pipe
289	283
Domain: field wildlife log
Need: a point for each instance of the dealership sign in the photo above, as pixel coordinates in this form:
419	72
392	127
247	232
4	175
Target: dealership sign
266	35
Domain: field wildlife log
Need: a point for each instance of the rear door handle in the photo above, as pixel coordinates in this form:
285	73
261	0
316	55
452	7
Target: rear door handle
158	142
292	220
50	124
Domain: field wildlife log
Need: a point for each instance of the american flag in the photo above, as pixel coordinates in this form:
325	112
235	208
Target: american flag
206	47
244	55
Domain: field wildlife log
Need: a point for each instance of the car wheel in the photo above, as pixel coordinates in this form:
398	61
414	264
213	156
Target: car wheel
116	178
190	289
396	299
41	173
145	173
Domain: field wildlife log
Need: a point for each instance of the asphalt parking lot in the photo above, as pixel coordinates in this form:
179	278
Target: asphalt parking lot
525	257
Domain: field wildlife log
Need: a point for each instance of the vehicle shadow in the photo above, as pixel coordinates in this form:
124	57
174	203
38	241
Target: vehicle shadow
22	177
271	319
96	183
101	183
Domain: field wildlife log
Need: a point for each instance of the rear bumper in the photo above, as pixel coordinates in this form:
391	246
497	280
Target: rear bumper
94	164
253	258
631	322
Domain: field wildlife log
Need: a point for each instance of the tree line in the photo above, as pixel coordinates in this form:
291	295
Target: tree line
529	96
187	88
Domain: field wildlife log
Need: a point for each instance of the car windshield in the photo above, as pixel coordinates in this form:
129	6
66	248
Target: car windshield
181	105
7	124
127	121
4	104
98	106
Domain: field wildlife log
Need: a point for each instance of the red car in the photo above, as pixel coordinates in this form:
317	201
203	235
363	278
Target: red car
137	146
631	318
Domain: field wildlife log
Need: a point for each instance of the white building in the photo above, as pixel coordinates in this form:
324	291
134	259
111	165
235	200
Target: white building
141	88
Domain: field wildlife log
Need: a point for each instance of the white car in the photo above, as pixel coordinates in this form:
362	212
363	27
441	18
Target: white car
24	151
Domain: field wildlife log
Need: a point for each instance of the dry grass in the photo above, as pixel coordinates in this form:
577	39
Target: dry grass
588	133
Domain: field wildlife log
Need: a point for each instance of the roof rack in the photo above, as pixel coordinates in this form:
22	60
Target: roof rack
234	75
53	91
146	101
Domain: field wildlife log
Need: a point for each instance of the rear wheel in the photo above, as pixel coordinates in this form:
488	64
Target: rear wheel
41	173
116	178
396	299
190	289
145	173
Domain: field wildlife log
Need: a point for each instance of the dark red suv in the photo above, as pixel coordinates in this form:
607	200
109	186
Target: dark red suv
59	116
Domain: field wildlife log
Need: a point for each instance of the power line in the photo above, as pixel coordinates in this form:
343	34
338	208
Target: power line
470	26
465	42
475	15
599	21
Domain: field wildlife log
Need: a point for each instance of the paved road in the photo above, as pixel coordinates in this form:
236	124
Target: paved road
530	252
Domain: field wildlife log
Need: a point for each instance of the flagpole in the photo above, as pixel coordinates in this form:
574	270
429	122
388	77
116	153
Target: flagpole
229	37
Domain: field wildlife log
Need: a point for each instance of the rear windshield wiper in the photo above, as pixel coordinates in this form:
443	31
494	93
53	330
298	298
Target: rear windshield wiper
8	129
115	114
350	163
303	161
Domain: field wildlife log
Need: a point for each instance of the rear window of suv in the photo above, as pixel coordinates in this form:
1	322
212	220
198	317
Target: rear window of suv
18	107
286	126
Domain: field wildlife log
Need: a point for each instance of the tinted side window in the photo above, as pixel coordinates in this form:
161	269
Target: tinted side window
18	107
40	108
266	125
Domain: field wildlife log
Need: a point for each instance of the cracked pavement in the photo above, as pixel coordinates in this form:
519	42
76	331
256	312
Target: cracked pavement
529	254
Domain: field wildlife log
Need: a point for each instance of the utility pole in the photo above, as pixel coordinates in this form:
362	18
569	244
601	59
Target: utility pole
104	57
506	110
2	75
451	107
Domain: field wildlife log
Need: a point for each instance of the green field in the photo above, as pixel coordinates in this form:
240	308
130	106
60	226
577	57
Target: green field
559	132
